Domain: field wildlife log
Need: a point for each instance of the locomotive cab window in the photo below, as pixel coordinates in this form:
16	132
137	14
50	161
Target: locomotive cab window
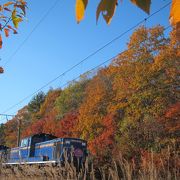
24	142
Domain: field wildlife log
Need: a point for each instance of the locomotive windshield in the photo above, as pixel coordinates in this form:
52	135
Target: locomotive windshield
25	142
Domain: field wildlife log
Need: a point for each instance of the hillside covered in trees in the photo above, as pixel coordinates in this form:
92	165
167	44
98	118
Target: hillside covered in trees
131	106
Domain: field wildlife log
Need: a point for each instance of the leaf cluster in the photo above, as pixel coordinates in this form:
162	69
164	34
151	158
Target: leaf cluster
11	14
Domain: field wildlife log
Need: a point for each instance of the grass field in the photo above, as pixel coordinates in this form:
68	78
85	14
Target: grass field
120	169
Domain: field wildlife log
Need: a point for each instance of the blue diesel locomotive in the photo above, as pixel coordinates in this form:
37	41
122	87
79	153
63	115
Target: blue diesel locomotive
45	148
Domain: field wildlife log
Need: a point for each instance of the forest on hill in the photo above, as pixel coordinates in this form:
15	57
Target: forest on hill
129	107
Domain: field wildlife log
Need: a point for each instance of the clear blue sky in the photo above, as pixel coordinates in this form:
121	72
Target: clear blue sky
59	42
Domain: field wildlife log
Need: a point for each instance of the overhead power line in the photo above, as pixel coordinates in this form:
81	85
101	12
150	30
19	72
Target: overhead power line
32	31
89	56
7	115
98	50
103	63
110	59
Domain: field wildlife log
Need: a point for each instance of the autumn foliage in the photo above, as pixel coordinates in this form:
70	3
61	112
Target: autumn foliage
108	8
131	106
11	14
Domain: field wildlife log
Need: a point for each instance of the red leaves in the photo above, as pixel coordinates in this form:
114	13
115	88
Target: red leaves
11	13
173	111
170	121
34	128
1	41
6	31
103	144
1	70
14	30
66	126
136	88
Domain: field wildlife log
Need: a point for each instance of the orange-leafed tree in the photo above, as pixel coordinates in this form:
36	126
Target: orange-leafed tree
146	83
66	127
11	128
49	102
103	145
43	113
171	126
35	128
50	122
94	109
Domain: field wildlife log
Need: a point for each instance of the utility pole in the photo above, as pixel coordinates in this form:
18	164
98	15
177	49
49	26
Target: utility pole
7	115
19	131
19	127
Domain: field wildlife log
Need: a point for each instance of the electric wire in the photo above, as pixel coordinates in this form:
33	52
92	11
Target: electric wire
92	54
108	60
86	58
98	50
32	31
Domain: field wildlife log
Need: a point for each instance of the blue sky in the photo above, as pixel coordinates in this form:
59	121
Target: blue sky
58	43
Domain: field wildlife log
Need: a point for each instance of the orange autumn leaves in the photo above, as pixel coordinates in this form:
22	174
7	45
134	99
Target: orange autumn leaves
11	14
131	105
108	7
174	13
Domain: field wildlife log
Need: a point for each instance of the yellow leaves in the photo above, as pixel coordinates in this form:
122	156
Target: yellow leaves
1	8
15	19
107	8
175	12
175	17
143	4
80	9
12	12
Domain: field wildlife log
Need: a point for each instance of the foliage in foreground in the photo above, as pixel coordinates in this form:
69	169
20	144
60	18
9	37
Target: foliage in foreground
118	169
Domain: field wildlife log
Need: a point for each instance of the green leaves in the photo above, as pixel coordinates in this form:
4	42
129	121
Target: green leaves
71	98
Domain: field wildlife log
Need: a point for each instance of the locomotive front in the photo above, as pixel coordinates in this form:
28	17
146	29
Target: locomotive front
74	150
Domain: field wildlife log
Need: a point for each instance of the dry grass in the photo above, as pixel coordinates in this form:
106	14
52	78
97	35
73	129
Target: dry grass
120	169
